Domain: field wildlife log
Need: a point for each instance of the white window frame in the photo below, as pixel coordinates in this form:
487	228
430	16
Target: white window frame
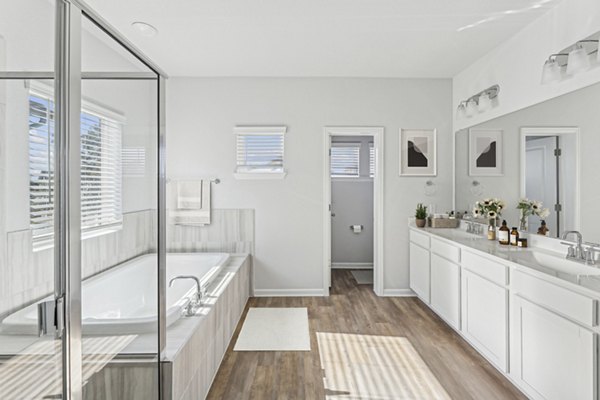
245	172
354	145
45	241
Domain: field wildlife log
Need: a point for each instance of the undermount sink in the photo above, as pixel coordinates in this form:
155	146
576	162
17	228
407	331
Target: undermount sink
559	264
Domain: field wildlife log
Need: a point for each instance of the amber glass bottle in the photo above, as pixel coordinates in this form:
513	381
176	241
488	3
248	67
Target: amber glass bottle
514	236
504	234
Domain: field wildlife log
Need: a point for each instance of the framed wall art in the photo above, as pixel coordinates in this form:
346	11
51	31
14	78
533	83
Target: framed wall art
418	152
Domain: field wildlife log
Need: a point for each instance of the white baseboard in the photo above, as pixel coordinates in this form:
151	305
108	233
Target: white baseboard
398	293
288	292
351	265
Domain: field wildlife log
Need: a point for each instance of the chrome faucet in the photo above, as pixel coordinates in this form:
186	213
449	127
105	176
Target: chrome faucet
197	300
578	252
474	227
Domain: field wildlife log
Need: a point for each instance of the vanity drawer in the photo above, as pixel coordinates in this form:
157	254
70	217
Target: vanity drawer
485	268
445	250
570	304
419	238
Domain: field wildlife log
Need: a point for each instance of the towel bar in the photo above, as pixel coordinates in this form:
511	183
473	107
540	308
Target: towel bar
216	181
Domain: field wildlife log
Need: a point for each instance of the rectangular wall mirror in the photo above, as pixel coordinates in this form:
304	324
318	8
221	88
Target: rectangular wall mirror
549	155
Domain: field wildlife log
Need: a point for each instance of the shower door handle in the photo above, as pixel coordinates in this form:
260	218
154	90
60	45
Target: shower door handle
46	317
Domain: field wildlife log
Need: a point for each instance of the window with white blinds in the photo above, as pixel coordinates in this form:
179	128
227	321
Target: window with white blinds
133	162
345	160
100	168
259	150
371	160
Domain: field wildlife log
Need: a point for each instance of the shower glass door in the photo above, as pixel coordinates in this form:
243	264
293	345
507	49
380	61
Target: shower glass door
119	236
31	351
81	253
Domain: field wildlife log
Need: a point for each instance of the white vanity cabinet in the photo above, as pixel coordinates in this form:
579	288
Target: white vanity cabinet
484	303
445	281
553	353
540	331
419	265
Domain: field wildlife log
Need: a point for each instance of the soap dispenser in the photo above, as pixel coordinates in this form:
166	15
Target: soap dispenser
504	234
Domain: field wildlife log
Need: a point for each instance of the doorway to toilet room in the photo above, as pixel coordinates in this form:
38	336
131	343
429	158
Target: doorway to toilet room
352	201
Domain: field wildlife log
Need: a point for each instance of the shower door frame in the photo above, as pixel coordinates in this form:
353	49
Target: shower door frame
67	78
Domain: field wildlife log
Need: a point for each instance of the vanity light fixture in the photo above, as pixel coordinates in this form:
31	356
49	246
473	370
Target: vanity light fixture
485	103
553	70
471	107
578	59
479	102
461	111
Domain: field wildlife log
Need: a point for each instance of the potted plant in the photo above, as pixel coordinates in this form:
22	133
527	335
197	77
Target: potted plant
421	215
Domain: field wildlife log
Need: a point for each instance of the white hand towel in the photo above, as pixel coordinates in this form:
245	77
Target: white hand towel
197	216
189	195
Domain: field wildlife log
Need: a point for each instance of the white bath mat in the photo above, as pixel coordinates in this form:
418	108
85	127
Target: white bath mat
274	329
363	276
375	367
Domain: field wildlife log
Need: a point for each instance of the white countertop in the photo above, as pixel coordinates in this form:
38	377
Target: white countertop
514	257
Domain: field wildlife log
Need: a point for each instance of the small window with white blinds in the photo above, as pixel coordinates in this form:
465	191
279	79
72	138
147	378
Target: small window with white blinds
259	151
345	160
100	168
371	160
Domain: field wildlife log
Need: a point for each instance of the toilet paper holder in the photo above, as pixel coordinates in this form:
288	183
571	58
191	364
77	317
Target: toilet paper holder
361	227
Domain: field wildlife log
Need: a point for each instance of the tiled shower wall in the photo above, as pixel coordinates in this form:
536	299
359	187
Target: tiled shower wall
29	275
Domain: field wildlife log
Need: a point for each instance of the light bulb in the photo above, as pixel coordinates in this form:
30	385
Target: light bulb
551	72
471	108
485	103
461	110
579	61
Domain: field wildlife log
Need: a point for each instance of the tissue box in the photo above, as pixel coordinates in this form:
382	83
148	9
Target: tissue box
444	223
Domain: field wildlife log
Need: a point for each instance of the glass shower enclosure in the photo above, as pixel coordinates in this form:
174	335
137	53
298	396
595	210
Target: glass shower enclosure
82	253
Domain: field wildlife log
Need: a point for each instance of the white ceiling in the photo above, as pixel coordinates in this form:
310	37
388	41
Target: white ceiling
326	38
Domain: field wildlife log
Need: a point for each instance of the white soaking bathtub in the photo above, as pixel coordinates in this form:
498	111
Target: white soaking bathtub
123	300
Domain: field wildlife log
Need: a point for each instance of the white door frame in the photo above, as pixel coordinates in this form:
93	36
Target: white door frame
377	134
553	131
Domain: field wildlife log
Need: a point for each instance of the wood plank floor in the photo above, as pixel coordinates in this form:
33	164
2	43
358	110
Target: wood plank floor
353	308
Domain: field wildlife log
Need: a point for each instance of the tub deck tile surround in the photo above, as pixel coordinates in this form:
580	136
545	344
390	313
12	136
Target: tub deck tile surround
195	359
353	308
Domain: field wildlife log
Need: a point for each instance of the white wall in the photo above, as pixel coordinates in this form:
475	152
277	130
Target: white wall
516	65
289	227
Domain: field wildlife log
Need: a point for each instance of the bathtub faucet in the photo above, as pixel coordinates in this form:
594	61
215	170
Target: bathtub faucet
191	309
